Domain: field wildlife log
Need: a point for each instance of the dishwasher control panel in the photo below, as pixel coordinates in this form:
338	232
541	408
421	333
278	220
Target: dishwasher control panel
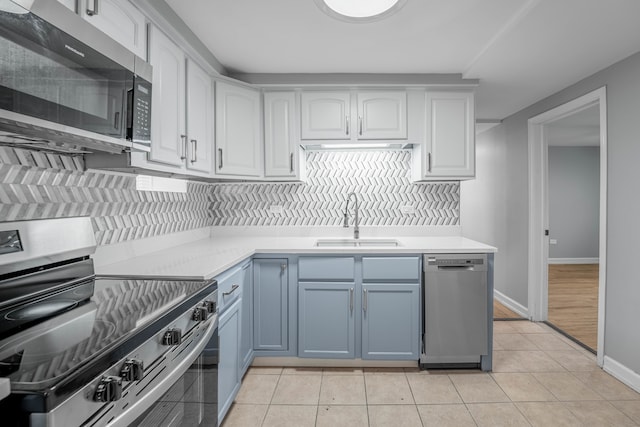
449	261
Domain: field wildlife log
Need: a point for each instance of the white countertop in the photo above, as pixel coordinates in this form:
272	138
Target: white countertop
207	257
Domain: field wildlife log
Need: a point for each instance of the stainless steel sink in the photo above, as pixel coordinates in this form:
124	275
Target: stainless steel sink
354	243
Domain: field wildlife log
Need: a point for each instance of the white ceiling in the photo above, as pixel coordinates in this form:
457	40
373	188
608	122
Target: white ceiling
521	50
579	129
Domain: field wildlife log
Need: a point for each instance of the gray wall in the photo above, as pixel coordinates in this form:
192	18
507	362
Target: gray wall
574	201
509	142
494	207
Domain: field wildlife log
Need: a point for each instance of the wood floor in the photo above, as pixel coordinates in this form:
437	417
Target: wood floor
501	312
573	301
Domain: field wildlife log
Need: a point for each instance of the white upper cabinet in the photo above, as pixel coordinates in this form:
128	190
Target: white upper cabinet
168	134
181	112
382	115
326	115
449	149
120	20
366	115
280	139
199	119
238	131
71	4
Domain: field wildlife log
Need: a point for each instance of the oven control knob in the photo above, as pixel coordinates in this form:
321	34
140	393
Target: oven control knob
109	389
200	314
172	337
210	306
132	370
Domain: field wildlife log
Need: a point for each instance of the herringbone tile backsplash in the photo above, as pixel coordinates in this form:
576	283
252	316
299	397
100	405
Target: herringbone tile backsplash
34	185
381	179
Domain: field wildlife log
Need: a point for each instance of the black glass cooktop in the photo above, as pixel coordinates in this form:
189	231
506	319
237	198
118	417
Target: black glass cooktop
86	320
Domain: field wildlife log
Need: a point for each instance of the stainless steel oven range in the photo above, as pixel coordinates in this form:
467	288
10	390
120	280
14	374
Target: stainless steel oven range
84	350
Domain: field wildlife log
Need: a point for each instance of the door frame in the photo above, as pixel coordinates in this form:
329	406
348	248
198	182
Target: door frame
538	286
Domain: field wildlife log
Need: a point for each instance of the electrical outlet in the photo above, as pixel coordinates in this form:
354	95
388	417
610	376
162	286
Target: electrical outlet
553	241
407	209
275	209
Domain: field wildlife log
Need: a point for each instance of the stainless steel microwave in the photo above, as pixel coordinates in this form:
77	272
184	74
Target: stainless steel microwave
64	82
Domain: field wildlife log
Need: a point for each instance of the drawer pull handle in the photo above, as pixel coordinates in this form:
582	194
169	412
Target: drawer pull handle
233	288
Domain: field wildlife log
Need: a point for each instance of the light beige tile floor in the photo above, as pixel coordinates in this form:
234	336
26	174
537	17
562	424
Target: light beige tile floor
539	378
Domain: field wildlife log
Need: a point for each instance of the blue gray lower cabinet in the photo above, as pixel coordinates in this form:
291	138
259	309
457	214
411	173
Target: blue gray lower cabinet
246	335
391	321
326	320
229	364
365	307
270	304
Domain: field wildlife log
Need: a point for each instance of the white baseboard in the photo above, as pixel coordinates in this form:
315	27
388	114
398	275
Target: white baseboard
511	304
621	372
574	260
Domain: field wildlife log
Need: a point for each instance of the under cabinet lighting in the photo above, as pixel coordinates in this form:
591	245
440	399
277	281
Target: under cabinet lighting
350	146
156	183
10	7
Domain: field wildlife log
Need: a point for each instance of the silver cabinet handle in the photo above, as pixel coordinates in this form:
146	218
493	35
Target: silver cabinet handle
183	147
283	267
194	143
360	125
347	124
219	158
92	11
364	300
233	288
429	162
351	300
291	163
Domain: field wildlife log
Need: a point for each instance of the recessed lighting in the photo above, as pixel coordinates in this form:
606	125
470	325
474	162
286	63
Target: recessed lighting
360	10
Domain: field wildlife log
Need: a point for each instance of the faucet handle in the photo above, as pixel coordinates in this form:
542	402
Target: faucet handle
345	224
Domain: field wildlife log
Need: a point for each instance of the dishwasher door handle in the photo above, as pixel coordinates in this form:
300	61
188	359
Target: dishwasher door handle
456	268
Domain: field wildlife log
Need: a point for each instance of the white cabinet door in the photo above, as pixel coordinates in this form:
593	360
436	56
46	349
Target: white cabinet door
168	138
326	115
120	20
280	148
382	115
199	119
450	139
71	4
237	131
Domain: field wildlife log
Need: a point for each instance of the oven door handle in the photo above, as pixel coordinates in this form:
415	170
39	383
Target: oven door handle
147	400
5	387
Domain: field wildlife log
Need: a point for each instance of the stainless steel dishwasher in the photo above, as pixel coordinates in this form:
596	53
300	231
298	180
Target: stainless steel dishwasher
456	326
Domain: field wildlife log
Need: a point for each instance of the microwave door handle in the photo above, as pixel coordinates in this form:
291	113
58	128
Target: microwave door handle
116	120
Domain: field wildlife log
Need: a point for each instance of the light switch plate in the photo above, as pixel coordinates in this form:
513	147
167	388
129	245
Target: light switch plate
275	209
407	209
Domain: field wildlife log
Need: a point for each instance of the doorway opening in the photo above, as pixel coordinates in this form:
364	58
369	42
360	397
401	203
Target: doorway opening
567	227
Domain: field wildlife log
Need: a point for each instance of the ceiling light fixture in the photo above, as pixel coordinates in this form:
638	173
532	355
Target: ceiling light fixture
360	10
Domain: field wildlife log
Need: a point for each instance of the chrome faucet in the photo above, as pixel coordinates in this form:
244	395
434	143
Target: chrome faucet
356	228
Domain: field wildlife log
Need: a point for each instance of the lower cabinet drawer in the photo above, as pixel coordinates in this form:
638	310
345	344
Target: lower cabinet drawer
326	268
230	286
391	268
